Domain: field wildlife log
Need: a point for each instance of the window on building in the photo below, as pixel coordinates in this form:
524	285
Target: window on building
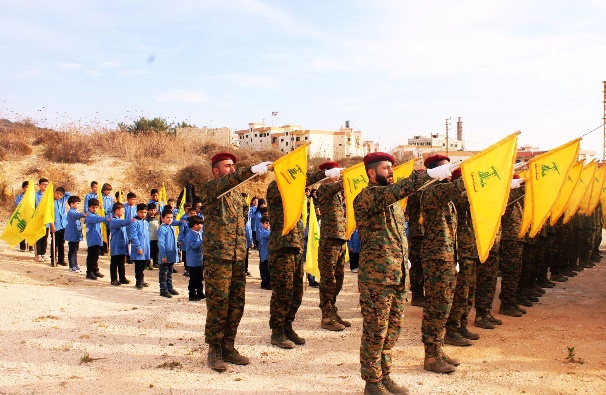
306	137
287	143
298	139
255	134
281	140
287	133
274	140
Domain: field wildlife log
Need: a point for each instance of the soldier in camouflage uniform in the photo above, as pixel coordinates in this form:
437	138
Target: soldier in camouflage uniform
415	242
331	252
382	273
586	241
439	266
457	333
486	285
224	250
511	254
286	267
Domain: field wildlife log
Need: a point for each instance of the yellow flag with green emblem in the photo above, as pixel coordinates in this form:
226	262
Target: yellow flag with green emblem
579	190
12	233
527	213
547	174
354	180
487	176
291	177
401	172
585	201
571	181
596	189
313	242
44	214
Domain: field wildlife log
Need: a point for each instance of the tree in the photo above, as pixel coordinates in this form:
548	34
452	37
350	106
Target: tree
184	124
144	125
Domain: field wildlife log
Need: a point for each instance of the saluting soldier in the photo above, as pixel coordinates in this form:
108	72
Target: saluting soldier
286	266
331	252
381	275
224	251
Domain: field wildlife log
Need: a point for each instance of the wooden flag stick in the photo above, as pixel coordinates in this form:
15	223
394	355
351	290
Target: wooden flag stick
231	189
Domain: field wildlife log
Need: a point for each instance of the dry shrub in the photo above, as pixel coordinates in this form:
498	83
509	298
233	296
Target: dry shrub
69	150
14	147
61	176
146	175
3	154
196	174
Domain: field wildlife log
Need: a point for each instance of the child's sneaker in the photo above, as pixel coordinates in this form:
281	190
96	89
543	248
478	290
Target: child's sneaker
39	258
74	270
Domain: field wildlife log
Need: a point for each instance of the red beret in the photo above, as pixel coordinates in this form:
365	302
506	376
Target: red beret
223	156
456	173
378	157
328	165
516	176
434	159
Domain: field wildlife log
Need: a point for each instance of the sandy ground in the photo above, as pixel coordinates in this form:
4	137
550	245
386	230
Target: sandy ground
141	343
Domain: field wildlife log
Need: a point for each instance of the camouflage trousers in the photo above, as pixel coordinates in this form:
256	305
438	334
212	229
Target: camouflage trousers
486	282
560	254
331	262
511	266
530	255
416	265
286	271
464	295
440	281
225	297
586	244
597	240
572	246
544	262
383	312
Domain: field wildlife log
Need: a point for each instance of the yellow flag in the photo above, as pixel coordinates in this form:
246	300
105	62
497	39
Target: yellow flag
523	173
313	243
291	177
44	214
181	210
579	190
21	216
304	211
119	198
547	174
101	213
354	180
596	190
162	198
571	181
527	213
403	171
603	203
487	176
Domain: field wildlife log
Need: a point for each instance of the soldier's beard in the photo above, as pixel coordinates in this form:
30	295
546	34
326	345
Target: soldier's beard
383	181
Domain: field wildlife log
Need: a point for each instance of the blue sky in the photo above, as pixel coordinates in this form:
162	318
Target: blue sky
393	68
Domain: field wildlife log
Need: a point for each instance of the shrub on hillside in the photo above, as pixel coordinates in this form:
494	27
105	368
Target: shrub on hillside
14	147
70	151
196	174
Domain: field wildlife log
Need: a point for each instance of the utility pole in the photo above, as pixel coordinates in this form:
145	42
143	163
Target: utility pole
460	132
604	126
447	129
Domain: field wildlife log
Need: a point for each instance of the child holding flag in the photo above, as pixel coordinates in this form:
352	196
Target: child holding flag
73	232
118	245
94	239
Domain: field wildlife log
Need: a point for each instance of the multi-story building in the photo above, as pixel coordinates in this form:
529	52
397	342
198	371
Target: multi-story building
343	143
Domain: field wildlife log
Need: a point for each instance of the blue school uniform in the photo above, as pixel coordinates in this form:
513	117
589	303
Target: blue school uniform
263	237
248	234
167	244
129	213
139	238
108	205
61	212
93	229
19	198
87	198
183	231
118	242
252	212
257	225
73	227
354	242
194	248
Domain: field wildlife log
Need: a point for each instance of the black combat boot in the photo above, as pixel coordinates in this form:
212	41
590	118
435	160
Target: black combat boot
510	310
467	334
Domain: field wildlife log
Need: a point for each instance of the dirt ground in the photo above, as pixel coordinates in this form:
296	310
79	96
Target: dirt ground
64	334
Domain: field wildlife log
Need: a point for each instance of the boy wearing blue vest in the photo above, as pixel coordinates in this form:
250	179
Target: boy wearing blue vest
181	239
107	201
263	233
58	227
130	211
93	194
353	244
73	232
193	244
153	221
94	239
118	245
42	243
139	239
168	254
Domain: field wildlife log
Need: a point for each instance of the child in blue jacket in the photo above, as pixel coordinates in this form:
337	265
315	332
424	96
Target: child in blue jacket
263	233
94	239
139	239
194	253
168	254
118	245
73	232
353	244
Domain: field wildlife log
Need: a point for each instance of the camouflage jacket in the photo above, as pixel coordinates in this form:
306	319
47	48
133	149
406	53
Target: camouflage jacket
413	209
598	218
294	238
224	232
383	244
332	209
466	237
440	220
511	221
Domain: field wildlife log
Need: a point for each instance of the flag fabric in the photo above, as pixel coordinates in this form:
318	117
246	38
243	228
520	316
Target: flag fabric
547	174
354	180
487	176
527	213
101	213
313	242
403	171
291	177
44	214
571	181
162	199
596	190
181	210
585	201
579	190
12	233
274	113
